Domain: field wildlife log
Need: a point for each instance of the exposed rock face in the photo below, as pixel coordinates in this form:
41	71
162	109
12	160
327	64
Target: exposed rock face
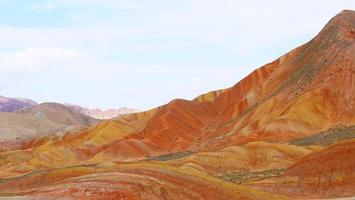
233	143
308	90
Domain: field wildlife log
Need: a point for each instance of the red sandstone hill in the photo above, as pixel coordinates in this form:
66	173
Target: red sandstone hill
327	173
336	162
215	146
306	91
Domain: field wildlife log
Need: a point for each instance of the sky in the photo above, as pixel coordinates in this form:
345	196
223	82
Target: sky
144	53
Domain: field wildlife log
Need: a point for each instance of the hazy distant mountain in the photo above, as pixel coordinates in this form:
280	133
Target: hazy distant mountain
60	114
255	140
46	119
13	104
8	104
101	114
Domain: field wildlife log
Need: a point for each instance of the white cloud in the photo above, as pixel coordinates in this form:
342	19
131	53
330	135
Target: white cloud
238	26
116	48
34	59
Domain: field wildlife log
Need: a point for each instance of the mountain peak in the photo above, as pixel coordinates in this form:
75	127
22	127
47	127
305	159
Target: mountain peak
349	13
345	17
341	26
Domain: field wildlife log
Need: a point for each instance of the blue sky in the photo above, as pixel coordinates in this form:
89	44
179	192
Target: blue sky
142	54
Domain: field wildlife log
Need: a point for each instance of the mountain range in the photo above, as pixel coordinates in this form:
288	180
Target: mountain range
101	114
24	121
13	104
29	124
286	131
8	104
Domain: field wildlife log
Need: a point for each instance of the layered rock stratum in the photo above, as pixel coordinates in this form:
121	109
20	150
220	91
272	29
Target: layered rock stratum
283	132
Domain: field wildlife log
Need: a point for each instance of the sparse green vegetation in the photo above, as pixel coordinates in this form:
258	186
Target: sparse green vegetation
327	137
248	176
171	156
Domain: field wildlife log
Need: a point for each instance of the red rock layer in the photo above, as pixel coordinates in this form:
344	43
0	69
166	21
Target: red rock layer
303	92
